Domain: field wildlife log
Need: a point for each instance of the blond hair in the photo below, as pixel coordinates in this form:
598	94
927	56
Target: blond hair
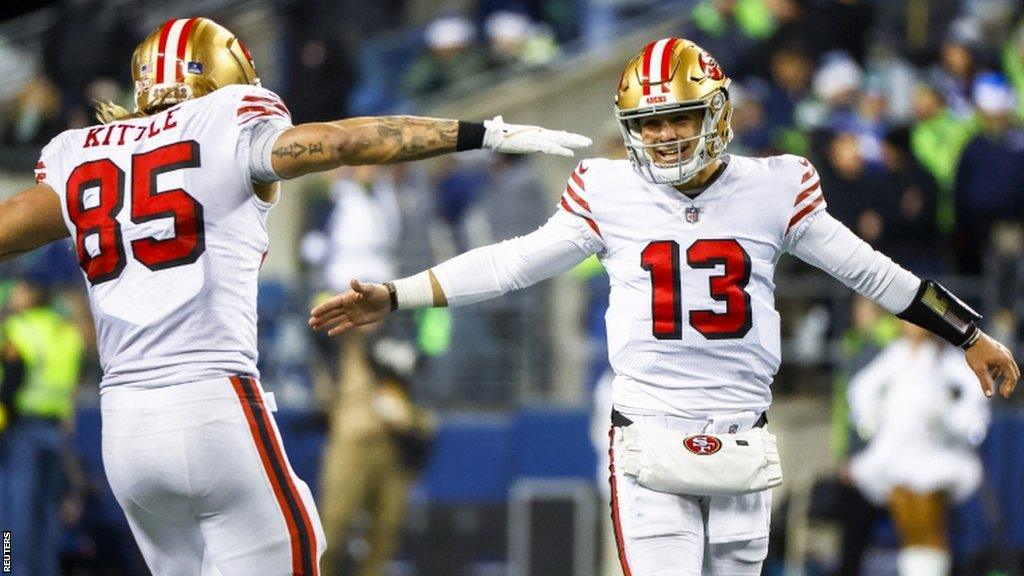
107	112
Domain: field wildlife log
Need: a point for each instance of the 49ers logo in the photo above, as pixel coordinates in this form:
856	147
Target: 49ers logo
702	444
710	66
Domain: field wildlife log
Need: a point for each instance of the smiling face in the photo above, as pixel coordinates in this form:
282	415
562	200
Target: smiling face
669	129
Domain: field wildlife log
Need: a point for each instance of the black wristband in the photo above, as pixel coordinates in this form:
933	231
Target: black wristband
392	294
940	312
471	136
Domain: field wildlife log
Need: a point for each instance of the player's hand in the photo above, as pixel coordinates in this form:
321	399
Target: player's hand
363	304
990	360
523	139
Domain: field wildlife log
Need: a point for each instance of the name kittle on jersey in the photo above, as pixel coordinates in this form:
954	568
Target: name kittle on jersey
126	133
169	234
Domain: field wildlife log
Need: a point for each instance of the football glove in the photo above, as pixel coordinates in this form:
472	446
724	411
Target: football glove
523	139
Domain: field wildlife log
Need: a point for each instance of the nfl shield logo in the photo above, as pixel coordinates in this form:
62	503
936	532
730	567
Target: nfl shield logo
693	214
195	67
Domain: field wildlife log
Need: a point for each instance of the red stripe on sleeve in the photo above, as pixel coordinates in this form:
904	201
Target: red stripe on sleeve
161	47
804	212
810	174
590	221
261	100
804	194
577	198
179	64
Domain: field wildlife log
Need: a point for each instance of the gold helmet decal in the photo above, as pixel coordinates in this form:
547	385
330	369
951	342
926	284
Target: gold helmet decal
187	58
668	76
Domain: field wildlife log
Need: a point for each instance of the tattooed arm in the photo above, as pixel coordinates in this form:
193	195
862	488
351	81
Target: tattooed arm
315	147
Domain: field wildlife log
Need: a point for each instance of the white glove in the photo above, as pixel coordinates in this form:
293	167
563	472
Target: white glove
523	139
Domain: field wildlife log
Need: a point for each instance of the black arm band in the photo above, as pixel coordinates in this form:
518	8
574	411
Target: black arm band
940	312
471	136
392	294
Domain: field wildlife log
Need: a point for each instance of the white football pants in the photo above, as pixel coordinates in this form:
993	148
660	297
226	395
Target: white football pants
660	534
202	476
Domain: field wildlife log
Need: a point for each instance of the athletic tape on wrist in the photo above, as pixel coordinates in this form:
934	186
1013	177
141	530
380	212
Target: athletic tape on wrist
415	291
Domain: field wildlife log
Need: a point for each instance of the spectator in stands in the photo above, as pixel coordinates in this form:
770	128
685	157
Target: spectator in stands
919	408
514	41
751	132
917	28
913	240
791	69
40	354
836	85
452	57
990	176
959	63
843	25
732	31
1013	66
856	196
937	139
78	51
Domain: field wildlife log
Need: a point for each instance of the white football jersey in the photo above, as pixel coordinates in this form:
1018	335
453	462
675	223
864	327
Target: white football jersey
169	234
692	325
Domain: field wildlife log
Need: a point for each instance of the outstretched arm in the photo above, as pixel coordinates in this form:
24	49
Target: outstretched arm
315	147
30	219
827	244
480	274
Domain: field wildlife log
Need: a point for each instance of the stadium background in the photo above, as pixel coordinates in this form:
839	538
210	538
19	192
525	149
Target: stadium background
512	485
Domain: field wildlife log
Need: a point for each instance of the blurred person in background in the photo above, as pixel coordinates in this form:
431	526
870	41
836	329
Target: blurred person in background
41	358
515	42
856	192
919	408
379	441
733	30
78	52
913	237
871	331
172	279
959	63
690	238
452	56
937	138
989	185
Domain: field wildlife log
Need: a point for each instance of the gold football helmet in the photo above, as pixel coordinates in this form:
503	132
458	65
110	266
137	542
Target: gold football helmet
187	58
669	76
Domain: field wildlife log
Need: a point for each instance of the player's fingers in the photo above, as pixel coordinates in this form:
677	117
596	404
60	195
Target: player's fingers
344	326
358	286
329	304
1011	375
570	139
985	379
554	149
324	322
328	314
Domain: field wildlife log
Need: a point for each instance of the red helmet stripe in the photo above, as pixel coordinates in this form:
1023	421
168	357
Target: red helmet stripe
161	47
645	80
182	43
666	62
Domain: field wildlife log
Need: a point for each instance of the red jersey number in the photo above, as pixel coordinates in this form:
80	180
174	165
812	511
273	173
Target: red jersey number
100	218
661	259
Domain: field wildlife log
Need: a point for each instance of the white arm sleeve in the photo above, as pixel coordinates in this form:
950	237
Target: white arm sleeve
262	137
490	271
831	246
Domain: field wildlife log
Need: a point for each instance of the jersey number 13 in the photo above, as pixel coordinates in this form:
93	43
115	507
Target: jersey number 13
661	259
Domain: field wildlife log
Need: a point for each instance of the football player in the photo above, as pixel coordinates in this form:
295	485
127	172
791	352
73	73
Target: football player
690	237
168	206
